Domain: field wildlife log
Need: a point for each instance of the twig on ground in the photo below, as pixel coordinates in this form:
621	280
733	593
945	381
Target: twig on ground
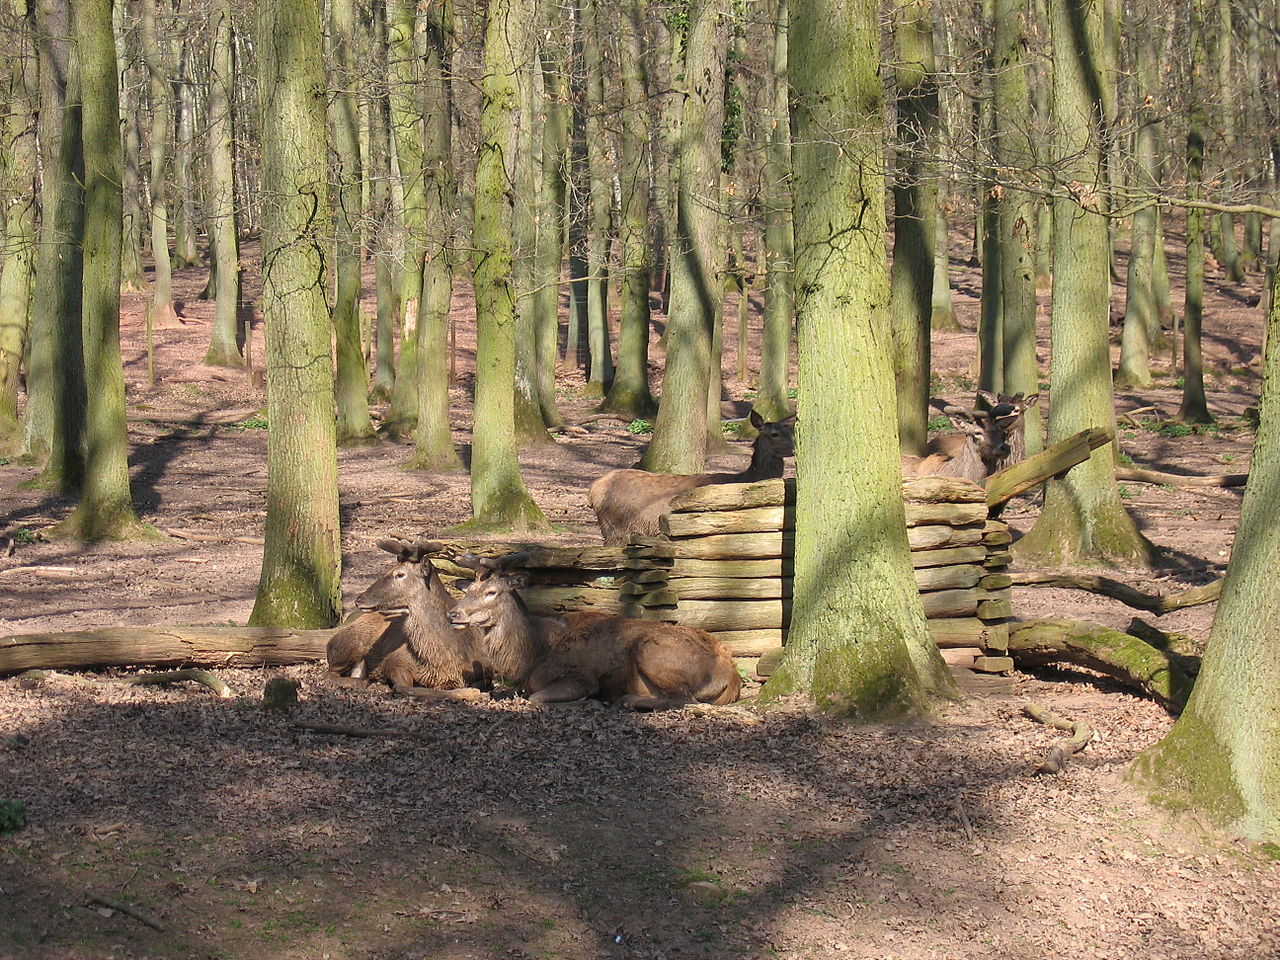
964	818
42	571
1081	733
124	908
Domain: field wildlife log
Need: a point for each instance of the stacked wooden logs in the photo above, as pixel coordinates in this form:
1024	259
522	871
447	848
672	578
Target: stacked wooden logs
725	565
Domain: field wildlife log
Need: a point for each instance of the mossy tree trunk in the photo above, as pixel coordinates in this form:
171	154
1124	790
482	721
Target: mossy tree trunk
1222	756
18	246
600	239
987	243
105	509
352	386
772	401
1015	154
54	426
302	559
1083	518
405	79
697	282
858	640
629	395
552	191
225	336
498	496
1140	307
385	225
1194	407
915	194
132	277
159	89
432	441
185	250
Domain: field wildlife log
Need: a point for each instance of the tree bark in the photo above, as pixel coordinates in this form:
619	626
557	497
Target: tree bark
1084	518
858	641
498	496
226	335
600	239
302	560
1194	408
697	284
915	212
163	313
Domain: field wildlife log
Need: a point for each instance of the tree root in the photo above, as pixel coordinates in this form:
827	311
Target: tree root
1081	734
1152	603
215	684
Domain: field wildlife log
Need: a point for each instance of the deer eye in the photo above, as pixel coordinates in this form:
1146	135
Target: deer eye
400	574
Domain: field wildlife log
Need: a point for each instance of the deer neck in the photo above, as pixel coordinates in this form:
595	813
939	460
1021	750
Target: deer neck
517	641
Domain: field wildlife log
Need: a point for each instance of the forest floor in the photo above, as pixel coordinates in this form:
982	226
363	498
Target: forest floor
494	830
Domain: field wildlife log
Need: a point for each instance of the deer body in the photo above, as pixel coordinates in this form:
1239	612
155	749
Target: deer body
640	664
1005	415
632	501
405	638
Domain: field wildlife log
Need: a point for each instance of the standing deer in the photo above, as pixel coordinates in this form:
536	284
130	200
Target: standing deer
404	637
632	501
637	664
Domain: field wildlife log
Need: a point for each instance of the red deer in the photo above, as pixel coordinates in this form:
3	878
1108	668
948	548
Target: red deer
632	501
405	638
974	455
1005	411
637	664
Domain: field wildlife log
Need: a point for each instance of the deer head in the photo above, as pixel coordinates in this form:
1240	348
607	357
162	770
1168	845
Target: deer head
986	431
410	579
493	588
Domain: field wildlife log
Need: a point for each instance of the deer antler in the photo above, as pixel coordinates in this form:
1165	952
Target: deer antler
401	547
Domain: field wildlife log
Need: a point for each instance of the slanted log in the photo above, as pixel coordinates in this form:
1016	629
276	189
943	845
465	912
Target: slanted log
161	647
1123	657
1057	459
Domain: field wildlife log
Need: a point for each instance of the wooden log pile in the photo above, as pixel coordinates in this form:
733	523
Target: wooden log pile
725	564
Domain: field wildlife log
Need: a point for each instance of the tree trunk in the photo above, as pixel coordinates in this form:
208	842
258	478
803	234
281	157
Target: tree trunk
132	277
352	386
498	496
433	442
629	394
858	641
18	248
105	509
1223	752
384	214
55	371
185	250
1083	518
915	213
552	191
600	371
225	336
1015	153
1194	408
302	560
404	51
159	90
772	401
697	283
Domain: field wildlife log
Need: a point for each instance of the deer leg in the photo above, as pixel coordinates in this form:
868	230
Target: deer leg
639	701
566	690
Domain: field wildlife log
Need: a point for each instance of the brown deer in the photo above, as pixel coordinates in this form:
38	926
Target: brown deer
637	664
1005	412
973	455
404	638
632	501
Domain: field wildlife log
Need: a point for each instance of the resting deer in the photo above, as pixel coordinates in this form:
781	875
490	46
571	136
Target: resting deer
1005	411
405	637
632	501
638	664
975	454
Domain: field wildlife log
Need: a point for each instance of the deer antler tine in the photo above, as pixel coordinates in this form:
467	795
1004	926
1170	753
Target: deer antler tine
512	560
397	545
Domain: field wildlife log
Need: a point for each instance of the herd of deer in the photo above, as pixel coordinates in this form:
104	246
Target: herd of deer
411	631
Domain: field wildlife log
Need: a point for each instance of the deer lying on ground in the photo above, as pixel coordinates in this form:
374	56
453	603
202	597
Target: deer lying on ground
632	501
637	664
404	638
975	454
1006	411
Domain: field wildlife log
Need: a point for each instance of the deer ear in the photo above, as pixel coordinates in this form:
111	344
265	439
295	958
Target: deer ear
1030	400
516	579
755	419
989	398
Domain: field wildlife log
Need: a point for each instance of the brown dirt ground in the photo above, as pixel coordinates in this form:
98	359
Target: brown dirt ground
495	830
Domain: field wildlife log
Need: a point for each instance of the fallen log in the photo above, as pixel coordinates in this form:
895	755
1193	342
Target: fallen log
1057	459
1124	658
1139	475
161	647
1130	596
